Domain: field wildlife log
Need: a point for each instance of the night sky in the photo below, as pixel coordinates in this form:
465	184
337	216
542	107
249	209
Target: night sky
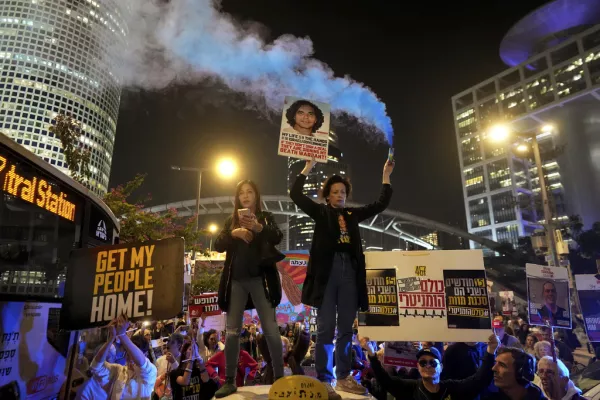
415	60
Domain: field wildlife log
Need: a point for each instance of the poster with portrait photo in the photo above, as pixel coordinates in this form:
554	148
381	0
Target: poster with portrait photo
304	129
548	296
588	290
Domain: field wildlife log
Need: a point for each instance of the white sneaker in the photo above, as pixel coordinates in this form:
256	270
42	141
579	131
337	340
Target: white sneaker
331	393
350	385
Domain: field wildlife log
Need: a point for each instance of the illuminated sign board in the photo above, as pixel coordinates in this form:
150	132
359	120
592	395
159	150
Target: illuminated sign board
35	189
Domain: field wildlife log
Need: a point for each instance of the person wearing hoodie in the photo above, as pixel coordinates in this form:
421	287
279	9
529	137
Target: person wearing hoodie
555	380
430	387
514	373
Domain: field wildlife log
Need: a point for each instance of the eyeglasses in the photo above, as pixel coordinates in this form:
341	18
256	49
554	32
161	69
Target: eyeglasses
432	363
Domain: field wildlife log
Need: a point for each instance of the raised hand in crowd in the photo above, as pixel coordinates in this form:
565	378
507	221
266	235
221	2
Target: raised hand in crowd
493	343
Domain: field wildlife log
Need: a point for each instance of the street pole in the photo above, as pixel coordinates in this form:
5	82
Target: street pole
549	226
198	198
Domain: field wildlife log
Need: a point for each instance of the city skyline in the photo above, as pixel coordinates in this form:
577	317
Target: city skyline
54	61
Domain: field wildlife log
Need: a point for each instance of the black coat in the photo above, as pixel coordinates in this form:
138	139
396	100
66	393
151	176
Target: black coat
224	242
326	234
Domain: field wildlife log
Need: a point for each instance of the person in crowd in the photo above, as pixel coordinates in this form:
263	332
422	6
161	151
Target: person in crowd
542	349
248	341
208	342
250	278
523	332
514	373
159	331
555	381
430	368
506	340
530	344
167	363
551	312
304	118
565	353
133	381
191	379
461	360
335	282
218	365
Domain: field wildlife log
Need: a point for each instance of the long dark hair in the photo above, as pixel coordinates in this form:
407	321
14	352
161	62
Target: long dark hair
183	356
235	219
290	114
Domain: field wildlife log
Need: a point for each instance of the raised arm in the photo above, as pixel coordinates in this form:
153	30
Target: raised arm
299	198
370	210
397	387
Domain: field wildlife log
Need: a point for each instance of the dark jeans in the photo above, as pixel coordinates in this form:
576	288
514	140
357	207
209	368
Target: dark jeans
340	304
266	313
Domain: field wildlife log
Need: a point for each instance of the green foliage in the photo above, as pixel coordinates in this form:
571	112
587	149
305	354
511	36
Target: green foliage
138	225
588	241
68	130
206	279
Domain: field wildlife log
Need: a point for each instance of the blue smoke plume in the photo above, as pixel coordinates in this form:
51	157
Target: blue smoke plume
189	40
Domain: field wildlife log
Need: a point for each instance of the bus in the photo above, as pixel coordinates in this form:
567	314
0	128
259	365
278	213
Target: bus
44	215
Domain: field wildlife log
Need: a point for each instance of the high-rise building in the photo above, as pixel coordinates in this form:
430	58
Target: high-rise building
55	57
551	90
300	229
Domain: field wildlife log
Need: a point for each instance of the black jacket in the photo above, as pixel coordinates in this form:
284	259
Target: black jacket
224	242
326	234
413	389
533	393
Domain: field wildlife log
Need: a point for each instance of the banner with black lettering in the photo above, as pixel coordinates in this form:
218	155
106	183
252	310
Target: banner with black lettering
466	299
141	280
383	300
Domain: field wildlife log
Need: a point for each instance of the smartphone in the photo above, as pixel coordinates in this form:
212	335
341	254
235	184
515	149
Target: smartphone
391	155
243	211
157	343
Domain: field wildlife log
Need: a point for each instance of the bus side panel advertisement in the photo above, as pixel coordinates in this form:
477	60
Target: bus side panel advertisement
32	353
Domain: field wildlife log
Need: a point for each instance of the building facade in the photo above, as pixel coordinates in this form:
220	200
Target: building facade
300	229
552	90
57	56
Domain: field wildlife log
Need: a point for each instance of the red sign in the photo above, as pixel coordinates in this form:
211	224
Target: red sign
206	303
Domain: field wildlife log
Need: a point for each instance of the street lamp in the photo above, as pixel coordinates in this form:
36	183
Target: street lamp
502	133
212	228
226	168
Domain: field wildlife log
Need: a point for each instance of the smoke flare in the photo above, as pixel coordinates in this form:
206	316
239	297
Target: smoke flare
186	41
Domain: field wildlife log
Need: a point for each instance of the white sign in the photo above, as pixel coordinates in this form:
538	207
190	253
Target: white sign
548	295
442	296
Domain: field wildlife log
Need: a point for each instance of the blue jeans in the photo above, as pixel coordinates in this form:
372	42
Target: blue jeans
340	303
266	312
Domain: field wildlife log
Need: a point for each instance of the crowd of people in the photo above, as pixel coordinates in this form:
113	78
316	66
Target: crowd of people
178	359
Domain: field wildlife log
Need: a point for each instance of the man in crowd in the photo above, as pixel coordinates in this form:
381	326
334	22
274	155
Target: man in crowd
555	380
430	386
174	344
514	372
565	353
550	311
506	340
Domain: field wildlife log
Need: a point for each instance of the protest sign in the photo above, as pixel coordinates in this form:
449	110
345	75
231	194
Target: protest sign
383	299
400	354
304	129
509	306
548	295
431	306
467	299
140	280
207	305
588	290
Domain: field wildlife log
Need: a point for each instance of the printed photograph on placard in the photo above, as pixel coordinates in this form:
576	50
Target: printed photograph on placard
588	290
304	129
509	306
548	296
467	304
383	299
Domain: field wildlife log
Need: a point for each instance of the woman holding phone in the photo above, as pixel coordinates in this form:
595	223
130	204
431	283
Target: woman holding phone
335	281
191	377
250	278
